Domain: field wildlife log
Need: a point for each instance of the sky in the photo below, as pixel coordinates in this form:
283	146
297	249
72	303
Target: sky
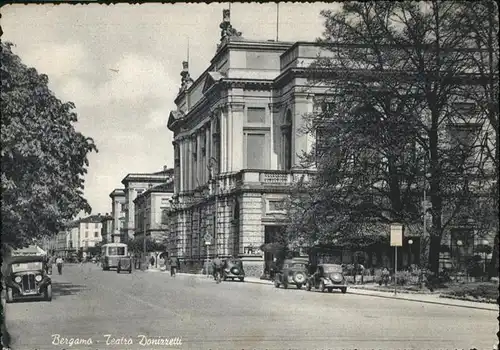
120	64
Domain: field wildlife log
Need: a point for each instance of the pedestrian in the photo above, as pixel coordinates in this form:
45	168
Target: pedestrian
59	263
174	264
152	261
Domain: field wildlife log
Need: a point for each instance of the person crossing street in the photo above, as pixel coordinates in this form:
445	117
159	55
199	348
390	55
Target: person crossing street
217	267
174	264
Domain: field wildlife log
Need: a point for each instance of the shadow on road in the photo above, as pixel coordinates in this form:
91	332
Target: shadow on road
63	288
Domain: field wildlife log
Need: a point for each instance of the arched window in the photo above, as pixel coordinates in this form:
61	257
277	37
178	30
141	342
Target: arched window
286	136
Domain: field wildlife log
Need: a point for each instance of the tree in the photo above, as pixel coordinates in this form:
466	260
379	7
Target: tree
391	125
476	21
136	245
44	158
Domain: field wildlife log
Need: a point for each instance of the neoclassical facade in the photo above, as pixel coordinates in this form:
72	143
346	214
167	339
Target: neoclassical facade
134	185
237	145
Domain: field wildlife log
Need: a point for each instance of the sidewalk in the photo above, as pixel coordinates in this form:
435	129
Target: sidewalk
422	298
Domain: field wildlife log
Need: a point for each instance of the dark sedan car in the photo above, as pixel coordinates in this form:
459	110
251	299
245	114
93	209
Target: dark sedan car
233	268
327	277
27	277
293	272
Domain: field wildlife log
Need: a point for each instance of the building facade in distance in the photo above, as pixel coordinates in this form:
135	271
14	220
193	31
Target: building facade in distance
135	184
152	209
118	215
107	229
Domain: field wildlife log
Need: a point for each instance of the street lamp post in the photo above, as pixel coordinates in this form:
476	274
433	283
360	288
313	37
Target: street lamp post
459	244
485	244
410	242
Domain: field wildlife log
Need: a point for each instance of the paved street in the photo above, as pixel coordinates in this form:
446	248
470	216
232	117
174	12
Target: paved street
90	303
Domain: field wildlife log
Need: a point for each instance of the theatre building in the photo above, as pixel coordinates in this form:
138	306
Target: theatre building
237	145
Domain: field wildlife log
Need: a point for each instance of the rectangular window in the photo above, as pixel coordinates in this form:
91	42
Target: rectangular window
256	115
96	234
276	205
255	151
96	225
86	234
164	216
86	225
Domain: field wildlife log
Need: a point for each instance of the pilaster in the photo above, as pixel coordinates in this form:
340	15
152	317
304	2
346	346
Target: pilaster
303	104
251	224
236	112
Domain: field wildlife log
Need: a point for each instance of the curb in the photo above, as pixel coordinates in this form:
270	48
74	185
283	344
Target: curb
423	301
353	291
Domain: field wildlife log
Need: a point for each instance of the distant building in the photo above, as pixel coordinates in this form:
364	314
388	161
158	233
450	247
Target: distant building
135	184
152	212
118	215
107	229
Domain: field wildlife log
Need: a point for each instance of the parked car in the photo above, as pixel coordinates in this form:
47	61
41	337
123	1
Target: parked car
292	272
327	277
27	277
124	264
233	268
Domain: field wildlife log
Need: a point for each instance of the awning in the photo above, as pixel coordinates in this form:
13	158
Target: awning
30	250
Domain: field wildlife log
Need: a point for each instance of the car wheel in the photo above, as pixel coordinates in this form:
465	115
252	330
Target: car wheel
285	285
276	284
118	269
242	279
299	286
330	290
10	295
225	278
321	286
308	286
344	290
48	292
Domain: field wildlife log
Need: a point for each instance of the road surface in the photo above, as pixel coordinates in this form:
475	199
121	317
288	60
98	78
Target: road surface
95	309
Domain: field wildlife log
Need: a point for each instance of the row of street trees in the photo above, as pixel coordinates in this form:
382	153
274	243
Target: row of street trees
411	107
44	158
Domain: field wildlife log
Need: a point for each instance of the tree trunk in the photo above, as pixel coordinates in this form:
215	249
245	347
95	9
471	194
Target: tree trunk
434	248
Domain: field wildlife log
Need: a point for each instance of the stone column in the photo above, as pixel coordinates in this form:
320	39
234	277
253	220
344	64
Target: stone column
303	105
236	112
223	138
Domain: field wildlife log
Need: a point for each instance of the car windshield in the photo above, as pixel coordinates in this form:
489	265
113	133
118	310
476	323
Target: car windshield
332	268
36	265
116	251
294	266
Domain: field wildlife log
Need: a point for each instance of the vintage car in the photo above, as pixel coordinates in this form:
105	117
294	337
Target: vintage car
111	254
233	268
124	264
327	277
293	271
26	277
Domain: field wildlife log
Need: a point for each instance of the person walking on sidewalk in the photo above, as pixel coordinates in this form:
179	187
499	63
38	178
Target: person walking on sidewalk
59	263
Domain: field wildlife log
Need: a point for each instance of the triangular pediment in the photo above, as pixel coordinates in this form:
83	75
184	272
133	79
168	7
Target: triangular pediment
211	79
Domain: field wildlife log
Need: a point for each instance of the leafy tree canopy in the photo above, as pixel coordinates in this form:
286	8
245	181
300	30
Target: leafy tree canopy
395	120
44	158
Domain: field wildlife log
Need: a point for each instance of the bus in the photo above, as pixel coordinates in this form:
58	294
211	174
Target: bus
111	254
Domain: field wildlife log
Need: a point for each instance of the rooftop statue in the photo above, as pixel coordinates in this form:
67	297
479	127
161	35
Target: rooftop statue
227	29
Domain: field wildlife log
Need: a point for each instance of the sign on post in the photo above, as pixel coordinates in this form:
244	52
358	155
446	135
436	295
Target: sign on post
396	241
396	235
208	239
